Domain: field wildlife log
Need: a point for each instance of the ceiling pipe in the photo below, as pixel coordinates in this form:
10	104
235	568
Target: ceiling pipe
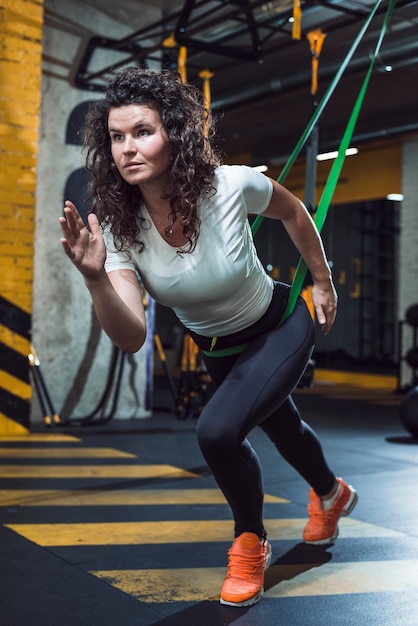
385	133
357	139
395	54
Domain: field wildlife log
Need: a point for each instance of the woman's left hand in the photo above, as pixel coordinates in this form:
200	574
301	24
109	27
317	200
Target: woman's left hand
325	299
85	248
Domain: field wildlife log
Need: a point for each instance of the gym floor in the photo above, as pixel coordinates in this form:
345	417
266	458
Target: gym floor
122	524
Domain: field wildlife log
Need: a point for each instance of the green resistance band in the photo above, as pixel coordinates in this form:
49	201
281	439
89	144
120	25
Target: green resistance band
334	174
320	108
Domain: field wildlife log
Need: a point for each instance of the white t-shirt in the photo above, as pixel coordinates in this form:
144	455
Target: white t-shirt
221	287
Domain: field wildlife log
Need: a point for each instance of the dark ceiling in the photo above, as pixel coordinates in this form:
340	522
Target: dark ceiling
261	84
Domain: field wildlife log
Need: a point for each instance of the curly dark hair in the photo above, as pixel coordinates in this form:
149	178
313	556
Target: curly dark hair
190	129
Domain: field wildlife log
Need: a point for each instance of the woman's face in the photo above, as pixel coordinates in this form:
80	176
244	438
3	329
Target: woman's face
140	146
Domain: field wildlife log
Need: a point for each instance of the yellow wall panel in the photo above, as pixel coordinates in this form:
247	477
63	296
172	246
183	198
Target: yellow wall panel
14	202
9	225
16	248
27	160
13	127
371	174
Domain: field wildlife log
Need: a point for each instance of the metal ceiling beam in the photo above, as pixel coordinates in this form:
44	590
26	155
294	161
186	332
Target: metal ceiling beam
242	12
187	30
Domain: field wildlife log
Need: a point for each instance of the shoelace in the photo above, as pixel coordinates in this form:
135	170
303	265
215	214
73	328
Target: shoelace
321	514
244	564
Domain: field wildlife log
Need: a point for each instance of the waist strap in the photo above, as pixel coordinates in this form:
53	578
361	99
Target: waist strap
226	351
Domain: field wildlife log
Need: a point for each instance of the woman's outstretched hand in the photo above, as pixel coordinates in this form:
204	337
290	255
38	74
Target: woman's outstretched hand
85	248
325	302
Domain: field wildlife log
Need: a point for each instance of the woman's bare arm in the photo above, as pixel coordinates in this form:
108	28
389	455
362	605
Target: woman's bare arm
304	234
116	297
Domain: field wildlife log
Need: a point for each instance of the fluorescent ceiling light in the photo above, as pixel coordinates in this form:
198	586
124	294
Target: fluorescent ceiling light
396	197
326	156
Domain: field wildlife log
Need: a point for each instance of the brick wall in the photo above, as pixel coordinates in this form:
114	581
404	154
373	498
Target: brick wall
21	23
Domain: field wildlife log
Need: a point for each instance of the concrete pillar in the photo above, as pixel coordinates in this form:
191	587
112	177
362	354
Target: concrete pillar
75	355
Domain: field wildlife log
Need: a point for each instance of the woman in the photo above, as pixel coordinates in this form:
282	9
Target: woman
165	207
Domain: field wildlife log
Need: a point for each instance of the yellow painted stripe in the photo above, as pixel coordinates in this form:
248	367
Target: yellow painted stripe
14	340
163	532
14	385
125	497
76	453
40	437
385	397
93	471
18	299
9	428
167	585
376	381
353	395
344	578
281	581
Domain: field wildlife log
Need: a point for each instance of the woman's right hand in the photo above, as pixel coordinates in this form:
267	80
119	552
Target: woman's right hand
85	248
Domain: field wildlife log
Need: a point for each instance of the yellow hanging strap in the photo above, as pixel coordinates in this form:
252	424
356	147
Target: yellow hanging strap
181	63
297	20
206	75
170	42
316	39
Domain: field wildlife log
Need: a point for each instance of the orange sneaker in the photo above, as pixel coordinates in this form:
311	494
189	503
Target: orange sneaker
248	559
322	527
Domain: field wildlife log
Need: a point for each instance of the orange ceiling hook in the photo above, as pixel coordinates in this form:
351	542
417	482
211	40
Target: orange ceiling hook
170	42
316	39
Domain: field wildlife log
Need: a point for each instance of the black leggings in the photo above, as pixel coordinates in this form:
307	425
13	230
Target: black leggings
253	389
